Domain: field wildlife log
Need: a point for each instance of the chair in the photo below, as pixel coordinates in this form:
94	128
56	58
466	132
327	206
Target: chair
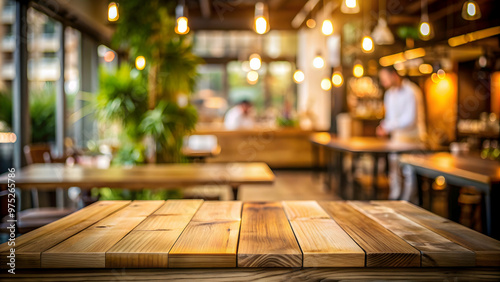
37	216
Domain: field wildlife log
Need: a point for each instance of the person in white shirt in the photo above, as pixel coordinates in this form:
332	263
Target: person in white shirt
240	116
405	122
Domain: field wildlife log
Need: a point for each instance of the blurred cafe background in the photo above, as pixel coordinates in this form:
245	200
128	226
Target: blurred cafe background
318	90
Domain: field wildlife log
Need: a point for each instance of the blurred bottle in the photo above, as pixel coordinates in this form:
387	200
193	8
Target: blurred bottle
494	151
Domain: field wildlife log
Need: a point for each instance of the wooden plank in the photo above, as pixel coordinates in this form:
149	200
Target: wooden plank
436	250
322	241
30	246
261	274
210	239
382	247
266	238
486	248
88	248
149	243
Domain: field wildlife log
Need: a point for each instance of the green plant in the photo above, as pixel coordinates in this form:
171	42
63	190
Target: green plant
168	123
43	113
6	108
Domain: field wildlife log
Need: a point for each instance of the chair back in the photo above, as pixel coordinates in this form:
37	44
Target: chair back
34	153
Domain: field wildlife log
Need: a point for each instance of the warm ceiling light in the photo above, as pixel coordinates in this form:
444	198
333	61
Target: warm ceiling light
311	23
425	68
367	44
327	27
358	70
318	62
425	29
326	84
109	56
255	62
261	22
113	12
298	76
252	77
471	11
182	26
337	79
349	7
435	78
473	36
140	62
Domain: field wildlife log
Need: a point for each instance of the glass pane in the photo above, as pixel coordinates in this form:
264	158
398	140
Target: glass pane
43	72
7	74
71	78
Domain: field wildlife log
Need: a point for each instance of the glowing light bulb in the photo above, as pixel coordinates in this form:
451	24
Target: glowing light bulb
326	84
140	62
261	26
255	62
358	70
318	62
113	12
471	9
425	29
182	25
252	77
441	74
298	76
311	23
367	44
337	79
351	3
327	27
425	68
109	56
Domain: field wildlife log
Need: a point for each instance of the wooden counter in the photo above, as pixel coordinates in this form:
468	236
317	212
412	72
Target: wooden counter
290	234
279	148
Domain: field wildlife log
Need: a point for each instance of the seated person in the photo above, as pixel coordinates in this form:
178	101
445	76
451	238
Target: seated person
240	116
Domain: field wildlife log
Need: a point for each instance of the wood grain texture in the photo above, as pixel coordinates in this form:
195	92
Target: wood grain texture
382	247
266	238
436	250
30	246
88	248
210	239
139	177
486	248
322	241
260	274
149	243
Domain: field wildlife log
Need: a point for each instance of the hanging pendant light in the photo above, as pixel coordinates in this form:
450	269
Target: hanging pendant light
326	84
261	18
425	29
358	70
349	7
113	14
367	44
318	62
471	11
381	34
327	27
298	76
181	25
337	79
255	61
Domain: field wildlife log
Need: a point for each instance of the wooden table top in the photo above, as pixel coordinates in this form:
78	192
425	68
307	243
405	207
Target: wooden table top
139	177
199	153
233	234
468	167
365	144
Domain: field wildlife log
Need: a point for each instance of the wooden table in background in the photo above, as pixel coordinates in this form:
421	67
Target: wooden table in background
258	240
201	155
157	176
464	171
374	146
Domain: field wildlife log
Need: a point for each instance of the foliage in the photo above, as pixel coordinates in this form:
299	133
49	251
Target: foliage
43	113
122	98
6	108
171	70
168	123
285	122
